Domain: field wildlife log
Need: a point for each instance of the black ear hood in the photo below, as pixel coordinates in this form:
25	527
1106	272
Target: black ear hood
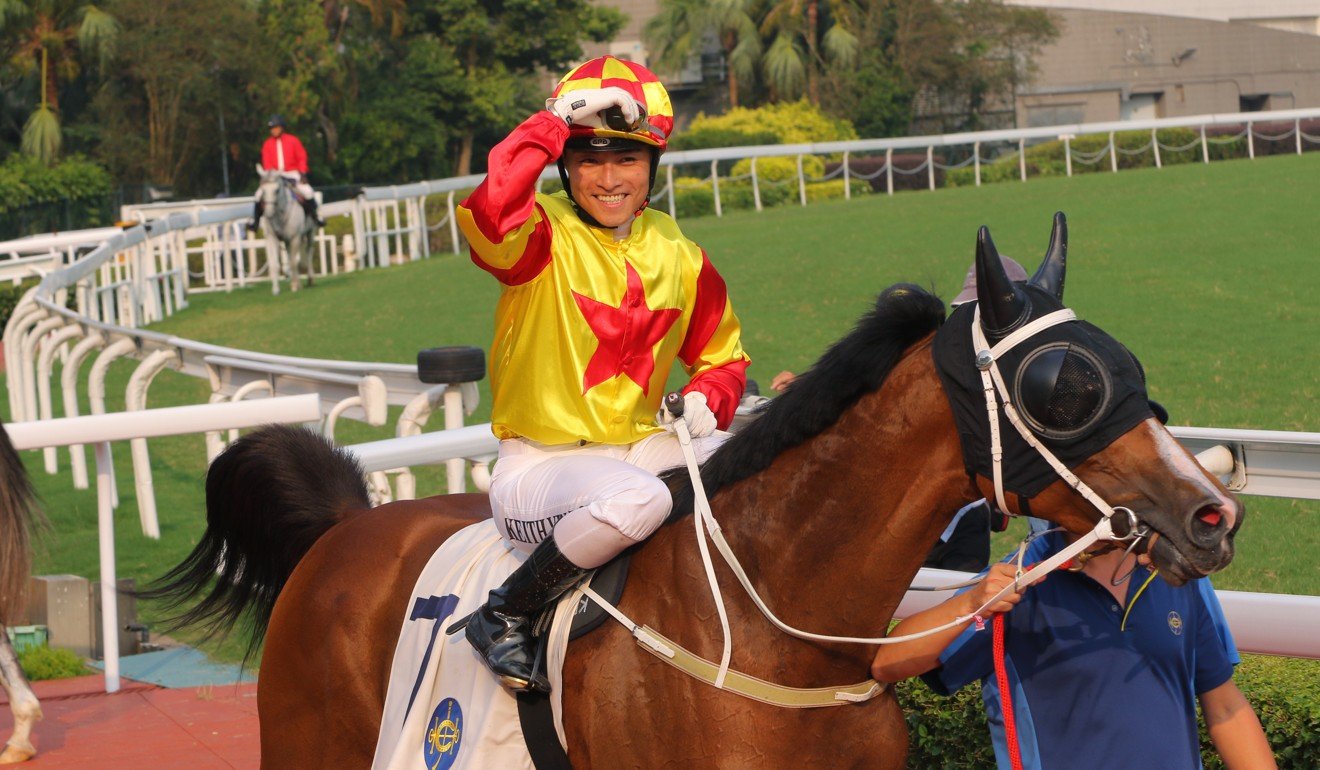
1076	388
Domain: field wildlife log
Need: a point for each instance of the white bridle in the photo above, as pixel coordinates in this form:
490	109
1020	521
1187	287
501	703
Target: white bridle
987	362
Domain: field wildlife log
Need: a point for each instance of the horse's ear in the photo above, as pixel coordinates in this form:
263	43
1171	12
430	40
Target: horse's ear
1049	276
1002	303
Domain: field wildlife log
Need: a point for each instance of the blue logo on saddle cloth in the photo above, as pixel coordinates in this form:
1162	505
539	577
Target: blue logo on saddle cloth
444	735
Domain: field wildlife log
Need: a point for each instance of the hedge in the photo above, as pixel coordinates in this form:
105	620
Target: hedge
951	732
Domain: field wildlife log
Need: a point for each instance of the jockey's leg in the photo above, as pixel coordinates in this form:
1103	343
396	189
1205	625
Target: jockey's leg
308	201
257	208
584	507
661	451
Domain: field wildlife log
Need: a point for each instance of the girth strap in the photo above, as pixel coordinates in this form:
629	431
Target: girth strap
735	681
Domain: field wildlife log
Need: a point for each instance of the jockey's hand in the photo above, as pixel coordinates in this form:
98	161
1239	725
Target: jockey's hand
582	106
999	576
699	418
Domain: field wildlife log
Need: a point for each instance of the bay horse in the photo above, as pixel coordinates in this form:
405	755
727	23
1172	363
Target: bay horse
830	499
287	225
19	516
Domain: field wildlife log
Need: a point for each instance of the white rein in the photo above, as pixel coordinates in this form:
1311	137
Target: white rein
986	361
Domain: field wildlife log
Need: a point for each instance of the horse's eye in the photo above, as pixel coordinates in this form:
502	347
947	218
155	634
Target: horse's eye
1062	390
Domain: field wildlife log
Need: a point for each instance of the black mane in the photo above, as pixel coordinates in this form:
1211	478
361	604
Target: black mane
854	366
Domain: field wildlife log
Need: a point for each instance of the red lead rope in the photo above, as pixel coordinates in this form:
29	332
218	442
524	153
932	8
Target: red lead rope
1005	695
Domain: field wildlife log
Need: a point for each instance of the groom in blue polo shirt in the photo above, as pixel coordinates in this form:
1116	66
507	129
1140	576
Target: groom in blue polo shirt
1101	676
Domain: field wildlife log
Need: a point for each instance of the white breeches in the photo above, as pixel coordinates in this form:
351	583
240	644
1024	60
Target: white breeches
596	499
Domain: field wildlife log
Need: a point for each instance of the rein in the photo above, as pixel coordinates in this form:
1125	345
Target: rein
707	527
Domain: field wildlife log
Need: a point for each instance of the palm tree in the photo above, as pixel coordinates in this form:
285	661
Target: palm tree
800	51
681	28
48	36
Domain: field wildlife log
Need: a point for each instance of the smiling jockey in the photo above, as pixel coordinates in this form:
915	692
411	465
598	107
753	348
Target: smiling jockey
284	151
600	295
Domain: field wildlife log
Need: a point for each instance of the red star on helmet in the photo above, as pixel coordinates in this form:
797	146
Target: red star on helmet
627	335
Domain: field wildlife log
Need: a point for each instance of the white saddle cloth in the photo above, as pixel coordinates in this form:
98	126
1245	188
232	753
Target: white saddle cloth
444	709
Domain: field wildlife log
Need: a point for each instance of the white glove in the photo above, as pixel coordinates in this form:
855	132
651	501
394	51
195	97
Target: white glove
584	107
699	418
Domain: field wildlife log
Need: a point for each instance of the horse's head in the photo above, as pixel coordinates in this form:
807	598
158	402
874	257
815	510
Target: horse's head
1081	395
269	187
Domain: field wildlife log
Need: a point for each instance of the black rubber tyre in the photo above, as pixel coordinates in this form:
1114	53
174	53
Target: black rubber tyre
450	365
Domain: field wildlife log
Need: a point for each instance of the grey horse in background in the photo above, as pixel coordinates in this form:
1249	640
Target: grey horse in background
18	517
285	222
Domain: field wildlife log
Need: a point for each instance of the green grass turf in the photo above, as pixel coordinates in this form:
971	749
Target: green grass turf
1207	273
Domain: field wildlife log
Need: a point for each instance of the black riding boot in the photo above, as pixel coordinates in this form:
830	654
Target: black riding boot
501	629
257	208
309	208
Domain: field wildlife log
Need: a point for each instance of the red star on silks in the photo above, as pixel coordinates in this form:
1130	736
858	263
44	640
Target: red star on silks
626	335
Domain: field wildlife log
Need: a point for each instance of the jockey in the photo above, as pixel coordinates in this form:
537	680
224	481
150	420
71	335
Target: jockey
600	296
283	151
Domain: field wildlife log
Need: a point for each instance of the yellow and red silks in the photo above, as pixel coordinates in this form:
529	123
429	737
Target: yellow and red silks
587	328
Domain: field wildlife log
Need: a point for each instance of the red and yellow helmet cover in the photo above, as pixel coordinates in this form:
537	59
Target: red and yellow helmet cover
637	80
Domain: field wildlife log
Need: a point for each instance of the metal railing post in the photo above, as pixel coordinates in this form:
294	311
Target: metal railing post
715	186
1155	143
1067	153
756	186
1251	141
673	192
889	170
1205	146
976	161
847	180
802	181
930	166
453	222
1022	159
1113	153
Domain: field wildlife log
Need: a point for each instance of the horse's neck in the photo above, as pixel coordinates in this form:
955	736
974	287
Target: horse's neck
834	530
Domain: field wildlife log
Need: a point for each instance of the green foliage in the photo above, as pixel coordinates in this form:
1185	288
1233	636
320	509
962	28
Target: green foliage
1049	159
25	181
949	733
41	135
42	663
791	122
701	137
1286	696
781	169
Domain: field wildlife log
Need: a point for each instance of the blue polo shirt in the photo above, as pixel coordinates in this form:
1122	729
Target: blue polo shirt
1087	695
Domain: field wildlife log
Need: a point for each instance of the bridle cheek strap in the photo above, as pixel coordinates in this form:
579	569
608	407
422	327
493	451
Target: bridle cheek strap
992	381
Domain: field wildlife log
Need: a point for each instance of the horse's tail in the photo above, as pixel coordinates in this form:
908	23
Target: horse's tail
19	517
269	497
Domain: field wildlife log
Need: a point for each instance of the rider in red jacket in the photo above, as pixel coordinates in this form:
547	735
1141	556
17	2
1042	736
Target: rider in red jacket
283	151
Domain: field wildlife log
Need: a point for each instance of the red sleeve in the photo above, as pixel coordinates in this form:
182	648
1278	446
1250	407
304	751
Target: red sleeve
298	161
268	154
508	234
503	200
712	350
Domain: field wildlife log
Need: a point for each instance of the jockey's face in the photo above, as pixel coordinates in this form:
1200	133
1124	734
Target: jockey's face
610	186
276	130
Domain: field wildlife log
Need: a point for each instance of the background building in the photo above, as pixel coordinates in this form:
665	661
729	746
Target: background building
1117	65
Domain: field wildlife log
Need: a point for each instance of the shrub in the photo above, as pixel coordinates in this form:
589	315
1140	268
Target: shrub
40	663
781	168
783	123
701	138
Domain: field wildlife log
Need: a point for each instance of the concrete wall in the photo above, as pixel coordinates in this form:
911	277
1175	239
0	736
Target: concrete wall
1288	15
1112	66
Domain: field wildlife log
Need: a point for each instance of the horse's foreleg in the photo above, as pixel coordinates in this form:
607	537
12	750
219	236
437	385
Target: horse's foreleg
22	702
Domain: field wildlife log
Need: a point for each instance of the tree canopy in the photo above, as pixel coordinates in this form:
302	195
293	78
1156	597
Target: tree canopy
176	93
